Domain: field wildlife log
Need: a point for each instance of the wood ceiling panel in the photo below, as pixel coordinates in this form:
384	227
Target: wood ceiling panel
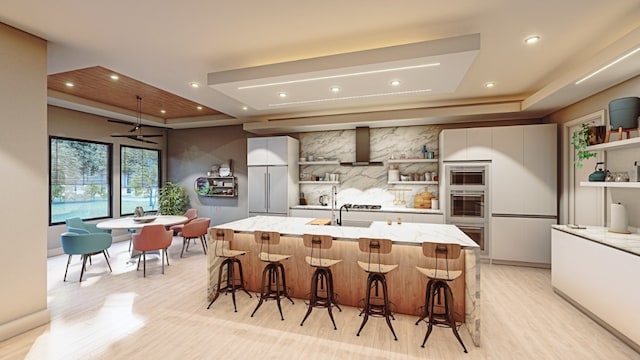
95	83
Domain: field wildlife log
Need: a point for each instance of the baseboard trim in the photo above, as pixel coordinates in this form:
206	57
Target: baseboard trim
632	344
23	324
520	263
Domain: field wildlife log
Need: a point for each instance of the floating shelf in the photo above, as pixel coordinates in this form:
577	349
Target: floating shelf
411	161
615	144
324	162
412	182
603	184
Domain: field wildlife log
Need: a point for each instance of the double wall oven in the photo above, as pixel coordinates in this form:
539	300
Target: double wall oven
466	187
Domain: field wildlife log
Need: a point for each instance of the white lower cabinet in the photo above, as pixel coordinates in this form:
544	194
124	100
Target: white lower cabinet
521	239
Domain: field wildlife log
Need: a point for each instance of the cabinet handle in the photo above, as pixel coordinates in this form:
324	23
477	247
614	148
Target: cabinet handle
266	193
268	189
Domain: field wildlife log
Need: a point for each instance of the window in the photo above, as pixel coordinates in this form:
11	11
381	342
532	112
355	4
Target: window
79	179
139	179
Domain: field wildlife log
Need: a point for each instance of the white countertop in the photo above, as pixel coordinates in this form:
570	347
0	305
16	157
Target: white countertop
383	209
407	233
625	242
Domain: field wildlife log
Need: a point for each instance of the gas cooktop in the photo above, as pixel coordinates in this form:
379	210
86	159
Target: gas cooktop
363	206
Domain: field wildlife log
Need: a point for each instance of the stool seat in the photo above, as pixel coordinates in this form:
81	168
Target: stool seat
376	268
315	262
439	274
227	253
274	258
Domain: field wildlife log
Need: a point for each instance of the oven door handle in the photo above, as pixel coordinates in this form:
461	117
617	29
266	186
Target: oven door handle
467	192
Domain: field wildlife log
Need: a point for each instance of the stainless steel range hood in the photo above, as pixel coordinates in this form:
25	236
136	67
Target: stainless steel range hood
362	149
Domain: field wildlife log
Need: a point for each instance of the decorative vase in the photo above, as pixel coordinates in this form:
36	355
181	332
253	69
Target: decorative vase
138	212
624	112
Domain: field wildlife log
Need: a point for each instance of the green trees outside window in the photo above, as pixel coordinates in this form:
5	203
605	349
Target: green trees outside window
79	179
139	179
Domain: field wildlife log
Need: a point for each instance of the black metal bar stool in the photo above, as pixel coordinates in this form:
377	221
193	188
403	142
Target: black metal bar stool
231	261
375	305
322	294
445	267
274	281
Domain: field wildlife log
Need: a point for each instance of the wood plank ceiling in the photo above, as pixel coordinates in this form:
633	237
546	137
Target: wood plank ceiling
95	84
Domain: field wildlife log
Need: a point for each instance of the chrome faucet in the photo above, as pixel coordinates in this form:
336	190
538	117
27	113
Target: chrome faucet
334	203
346	208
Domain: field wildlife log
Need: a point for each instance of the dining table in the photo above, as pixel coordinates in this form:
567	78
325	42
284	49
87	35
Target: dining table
127	223
135	224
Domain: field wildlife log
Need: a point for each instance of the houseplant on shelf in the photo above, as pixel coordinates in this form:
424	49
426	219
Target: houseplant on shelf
172	199
580	141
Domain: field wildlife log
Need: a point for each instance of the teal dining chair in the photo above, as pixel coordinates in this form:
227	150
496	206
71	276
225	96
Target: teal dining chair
84	245
76	225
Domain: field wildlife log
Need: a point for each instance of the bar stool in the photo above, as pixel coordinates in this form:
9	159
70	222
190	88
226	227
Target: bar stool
439	275
274	281
229	264
375	305
322	294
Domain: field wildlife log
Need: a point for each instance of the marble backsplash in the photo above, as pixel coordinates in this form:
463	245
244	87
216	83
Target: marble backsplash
368	184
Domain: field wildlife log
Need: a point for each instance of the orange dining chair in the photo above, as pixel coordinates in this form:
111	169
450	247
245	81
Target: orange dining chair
195	229
190	214
151	238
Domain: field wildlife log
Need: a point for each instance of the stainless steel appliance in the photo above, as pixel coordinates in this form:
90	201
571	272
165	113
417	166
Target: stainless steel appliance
466	189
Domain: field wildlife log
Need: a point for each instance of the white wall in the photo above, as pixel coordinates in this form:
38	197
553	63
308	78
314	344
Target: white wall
23	184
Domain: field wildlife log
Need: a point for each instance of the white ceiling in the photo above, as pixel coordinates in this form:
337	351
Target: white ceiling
169	44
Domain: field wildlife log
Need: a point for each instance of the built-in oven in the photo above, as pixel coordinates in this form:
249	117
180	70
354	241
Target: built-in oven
477	233
466	190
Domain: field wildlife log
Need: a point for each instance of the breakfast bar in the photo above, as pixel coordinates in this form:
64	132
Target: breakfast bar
406	284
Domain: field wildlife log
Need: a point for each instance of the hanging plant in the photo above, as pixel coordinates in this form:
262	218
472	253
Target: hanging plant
172	199
580	141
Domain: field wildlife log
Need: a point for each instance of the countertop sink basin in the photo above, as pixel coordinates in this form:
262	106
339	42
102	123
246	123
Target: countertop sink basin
357	223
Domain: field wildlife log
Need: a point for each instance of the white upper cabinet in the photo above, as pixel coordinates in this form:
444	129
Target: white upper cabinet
453	144
540	159
465	144
507	174
268	151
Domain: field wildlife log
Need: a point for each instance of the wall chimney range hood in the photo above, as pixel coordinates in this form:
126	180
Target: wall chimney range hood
362	149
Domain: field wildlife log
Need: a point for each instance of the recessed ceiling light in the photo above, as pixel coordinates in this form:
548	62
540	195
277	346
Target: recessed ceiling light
199	107
489	84
114	77
69	84
532	39
163	111
282	94
395	83
245	108
194	84
335	89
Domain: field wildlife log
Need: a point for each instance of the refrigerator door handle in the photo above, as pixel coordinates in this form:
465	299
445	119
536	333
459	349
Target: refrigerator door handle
268	189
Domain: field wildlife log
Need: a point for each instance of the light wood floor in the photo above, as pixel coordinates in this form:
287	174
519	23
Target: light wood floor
125	316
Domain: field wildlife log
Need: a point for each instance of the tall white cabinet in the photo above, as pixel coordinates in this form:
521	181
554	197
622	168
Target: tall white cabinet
272	174
523	192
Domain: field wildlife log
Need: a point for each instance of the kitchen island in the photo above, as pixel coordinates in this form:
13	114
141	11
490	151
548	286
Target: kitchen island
406	284
597	271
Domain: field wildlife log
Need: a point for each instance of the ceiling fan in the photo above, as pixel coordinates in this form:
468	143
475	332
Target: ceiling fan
137	127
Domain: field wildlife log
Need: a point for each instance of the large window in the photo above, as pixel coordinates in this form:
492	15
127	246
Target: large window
79	179
139	179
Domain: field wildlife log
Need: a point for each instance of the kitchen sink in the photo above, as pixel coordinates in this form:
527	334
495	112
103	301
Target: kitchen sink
356	223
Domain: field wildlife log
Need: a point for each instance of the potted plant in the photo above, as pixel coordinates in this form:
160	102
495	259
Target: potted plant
580	141
172	199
